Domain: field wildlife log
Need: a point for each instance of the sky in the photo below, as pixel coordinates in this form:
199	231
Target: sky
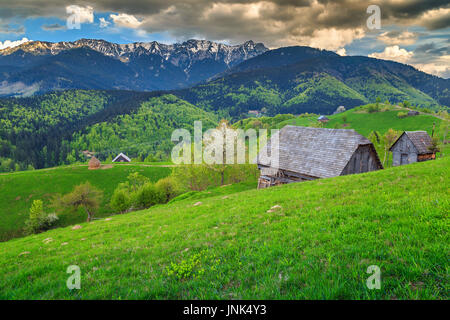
409	31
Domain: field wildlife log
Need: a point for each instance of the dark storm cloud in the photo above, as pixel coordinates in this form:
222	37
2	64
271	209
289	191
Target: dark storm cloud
12	30
53	27
275	22
431	49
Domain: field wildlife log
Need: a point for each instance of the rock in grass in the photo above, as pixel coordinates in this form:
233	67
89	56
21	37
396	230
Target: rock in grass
274	208
64	243
76	227
47	240
197	203
24	253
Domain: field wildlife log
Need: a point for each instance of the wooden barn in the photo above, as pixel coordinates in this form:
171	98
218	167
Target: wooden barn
412	146
313	153
121	158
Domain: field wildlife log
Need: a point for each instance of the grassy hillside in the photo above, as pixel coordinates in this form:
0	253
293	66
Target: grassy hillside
364	122
317	244
18	190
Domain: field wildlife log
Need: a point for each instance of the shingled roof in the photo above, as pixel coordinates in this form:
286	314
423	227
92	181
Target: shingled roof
420	139
316	152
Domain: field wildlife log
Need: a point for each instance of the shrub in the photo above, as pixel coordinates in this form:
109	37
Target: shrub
148	195
39	221
402	114
120	200
373	108
168	188
83	196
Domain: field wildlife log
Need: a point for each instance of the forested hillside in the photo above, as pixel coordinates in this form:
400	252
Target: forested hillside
143	133
35	132
301	79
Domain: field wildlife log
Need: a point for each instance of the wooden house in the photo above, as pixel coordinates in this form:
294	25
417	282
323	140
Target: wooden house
412	146
121	158
413	113
313	153
323	119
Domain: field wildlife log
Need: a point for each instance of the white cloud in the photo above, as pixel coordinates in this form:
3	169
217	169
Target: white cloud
84	14
440	67
12	44
342	52
18	89
398	38
334	39
394	53
437	66
104	23
125	20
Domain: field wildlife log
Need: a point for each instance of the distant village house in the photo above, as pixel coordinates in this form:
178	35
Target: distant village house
412	146
413	113
255	113
313	153
323	119
121	158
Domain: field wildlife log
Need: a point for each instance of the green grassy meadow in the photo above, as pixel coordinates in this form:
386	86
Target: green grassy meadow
18	190
317	244
364	123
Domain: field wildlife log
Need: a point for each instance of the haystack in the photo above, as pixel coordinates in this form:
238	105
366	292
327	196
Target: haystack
94	164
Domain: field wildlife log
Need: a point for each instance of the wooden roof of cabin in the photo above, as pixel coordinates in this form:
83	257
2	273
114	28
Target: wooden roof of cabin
420	139
316	152
121	155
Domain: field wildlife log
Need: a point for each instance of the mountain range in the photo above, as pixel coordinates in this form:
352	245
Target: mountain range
219	77
303	79
39	67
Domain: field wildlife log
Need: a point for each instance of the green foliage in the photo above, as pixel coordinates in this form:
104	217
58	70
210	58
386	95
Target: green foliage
83	196
373	108
194	267
145	133
194	177
148	195
434	147
54	129
402	114
39	221
139	193
168	188
120	200
136	180
35	127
